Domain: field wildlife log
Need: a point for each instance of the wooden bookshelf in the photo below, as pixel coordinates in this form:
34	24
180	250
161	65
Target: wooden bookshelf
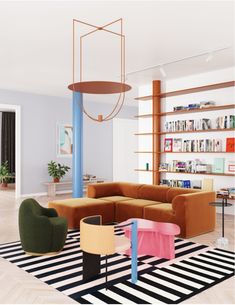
157	133
188	91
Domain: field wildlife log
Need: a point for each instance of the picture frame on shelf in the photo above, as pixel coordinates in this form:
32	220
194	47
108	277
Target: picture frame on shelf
168	142
64	140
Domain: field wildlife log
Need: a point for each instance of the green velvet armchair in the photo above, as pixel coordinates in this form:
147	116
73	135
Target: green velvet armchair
42	232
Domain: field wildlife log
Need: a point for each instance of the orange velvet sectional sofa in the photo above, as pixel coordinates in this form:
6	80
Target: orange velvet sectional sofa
188	208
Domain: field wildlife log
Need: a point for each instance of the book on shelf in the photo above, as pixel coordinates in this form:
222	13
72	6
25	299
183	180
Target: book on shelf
196	184
177	145
218	166
230	145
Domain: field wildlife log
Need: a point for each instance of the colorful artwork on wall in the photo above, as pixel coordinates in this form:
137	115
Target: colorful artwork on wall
65	140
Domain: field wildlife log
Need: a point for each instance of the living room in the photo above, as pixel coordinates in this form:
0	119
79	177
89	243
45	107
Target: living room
153	153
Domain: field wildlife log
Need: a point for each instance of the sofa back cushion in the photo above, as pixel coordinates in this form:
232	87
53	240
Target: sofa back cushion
175	191
153	192
129	189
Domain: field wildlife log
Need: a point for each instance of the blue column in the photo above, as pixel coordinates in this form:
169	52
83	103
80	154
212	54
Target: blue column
134	249
77	145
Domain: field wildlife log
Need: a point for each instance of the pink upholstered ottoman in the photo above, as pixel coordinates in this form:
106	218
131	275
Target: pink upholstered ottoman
154	238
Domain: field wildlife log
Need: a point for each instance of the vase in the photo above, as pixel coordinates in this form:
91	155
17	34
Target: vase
56	180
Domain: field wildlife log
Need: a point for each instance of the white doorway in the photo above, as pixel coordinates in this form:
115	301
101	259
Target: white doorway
17	110
125	144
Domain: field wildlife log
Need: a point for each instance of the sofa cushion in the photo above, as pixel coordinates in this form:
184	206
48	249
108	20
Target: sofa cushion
115	198
77	208
160	212
175	191
97	190
129	189
131	208
153	192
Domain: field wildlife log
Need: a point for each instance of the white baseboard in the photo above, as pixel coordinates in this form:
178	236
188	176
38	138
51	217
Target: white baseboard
45	193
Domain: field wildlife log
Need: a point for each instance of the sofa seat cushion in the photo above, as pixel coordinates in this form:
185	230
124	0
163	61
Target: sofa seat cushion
159	212
131	208
116	198
77	208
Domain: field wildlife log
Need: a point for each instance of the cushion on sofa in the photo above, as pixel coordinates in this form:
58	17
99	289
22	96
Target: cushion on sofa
77	208
153	192
161	212
115	198
175	191
129	189
131	208
98	190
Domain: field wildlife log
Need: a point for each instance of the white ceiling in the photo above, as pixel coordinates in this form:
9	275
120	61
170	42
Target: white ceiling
36	39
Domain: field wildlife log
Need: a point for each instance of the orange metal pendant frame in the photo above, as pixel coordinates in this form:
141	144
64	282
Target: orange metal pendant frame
101	87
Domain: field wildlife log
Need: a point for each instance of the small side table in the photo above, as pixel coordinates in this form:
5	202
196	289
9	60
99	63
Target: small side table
222	241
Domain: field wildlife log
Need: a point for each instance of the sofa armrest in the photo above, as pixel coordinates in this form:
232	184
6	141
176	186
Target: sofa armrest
97	190
194	211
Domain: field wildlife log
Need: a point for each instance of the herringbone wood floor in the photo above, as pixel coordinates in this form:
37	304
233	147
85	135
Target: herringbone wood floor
19	287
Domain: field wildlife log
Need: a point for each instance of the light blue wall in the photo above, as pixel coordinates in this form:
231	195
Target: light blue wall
40	114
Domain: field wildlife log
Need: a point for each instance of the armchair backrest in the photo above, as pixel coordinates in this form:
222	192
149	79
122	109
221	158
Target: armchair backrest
95	238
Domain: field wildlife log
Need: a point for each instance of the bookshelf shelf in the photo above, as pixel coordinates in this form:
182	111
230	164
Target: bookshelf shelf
229	106
208	174
184	131
187	91
196	131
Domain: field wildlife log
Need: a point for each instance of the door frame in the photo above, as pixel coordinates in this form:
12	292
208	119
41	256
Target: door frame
17	110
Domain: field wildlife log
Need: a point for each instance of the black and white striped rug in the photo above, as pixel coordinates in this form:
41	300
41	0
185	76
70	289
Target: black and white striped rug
195	268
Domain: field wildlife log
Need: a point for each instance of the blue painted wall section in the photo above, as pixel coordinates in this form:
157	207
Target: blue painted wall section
77	145
134	248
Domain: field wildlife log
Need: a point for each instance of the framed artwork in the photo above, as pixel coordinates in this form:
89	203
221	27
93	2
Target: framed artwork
168	144
64	140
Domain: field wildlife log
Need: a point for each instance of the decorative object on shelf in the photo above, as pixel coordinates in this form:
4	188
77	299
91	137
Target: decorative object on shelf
229	166
207	185
147	166
218	166
100	87
163	167
207	104
168	144
193	106
4	174
230	144
64	140
57	171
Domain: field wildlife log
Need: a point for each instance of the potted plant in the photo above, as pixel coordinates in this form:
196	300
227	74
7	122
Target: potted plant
57	171
4	174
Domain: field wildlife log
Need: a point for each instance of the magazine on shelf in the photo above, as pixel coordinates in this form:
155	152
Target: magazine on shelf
177	144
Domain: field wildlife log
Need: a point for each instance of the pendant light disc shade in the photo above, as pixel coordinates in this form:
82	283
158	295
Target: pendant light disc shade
99	87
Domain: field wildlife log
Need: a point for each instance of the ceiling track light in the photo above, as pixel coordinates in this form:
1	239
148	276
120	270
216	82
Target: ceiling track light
209	56
162	71
181	59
